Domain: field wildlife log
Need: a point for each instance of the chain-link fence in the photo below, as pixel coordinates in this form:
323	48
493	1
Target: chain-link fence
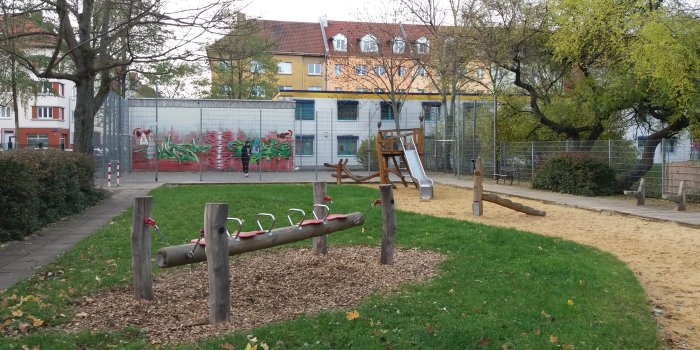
111	138
205	136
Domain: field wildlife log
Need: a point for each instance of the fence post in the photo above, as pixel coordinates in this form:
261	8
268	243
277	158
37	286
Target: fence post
609	152
141	249
319	246
217	262
663	165
532	165
477	207
388	225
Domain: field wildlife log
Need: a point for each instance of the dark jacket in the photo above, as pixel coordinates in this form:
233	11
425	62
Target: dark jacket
245	151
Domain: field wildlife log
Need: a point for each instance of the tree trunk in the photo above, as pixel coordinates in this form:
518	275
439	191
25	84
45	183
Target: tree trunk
85	110
647	160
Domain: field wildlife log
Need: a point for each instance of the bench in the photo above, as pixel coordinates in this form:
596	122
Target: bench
679	198
640	193
507	173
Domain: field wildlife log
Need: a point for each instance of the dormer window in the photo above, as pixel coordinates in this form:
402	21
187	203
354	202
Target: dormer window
399	45
368	43
340	43
422	45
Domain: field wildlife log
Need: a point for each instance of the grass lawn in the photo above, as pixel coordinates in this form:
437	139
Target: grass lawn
498	289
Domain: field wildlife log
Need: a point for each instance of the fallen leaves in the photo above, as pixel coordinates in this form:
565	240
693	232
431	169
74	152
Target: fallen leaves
351	315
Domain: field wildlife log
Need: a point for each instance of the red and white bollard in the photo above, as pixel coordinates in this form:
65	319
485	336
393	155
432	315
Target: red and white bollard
118	173
109	174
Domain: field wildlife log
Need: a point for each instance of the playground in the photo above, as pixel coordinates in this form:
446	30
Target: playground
467	269
663	255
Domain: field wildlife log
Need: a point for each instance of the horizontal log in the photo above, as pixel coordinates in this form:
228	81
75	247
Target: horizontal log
488	197
178	255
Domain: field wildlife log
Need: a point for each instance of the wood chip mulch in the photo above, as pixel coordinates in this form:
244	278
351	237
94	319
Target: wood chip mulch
266	287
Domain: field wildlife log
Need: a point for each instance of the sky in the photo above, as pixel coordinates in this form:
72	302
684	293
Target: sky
306	10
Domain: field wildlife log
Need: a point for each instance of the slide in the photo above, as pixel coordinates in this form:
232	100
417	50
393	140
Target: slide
415	166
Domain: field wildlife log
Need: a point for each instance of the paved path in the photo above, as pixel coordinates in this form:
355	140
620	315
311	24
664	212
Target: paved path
19	259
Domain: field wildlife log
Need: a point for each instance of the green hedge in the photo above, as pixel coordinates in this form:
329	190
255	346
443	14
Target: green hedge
39	187
576	173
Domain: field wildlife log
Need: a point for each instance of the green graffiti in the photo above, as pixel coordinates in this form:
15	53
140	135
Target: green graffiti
272	149
184	152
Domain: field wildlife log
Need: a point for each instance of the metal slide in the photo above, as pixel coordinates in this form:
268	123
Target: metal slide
415	166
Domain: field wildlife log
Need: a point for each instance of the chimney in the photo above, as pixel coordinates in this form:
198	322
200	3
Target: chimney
324	21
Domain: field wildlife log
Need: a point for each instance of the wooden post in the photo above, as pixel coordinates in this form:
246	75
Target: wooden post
217	262
388	225
477	206
141	249
320	245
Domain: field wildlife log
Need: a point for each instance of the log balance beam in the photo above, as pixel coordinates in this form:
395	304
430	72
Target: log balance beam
178	255
480	196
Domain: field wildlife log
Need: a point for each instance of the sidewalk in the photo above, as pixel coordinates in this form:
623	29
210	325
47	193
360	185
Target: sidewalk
19	259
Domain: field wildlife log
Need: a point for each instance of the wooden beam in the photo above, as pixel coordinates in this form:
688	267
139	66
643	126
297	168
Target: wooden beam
320	245
511	205
141	249
388	225
178	255
477	206
217	262
640	193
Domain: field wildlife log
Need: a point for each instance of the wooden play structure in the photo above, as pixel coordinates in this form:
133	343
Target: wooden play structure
404	147
640	193
216	244
480	196
342	172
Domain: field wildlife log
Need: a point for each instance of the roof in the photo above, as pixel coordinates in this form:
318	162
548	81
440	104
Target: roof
31	33
295	37
383	32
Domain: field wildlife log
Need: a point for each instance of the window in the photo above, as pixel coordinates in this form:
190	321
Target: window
379	70
314	69
225	89
337	88
338	69
284	67
224	65
361	69
361	89
420	91
304	145
387	112
256	67
399	45
347	110
5	112
480	73
44	113
368	44
37	140
670	145
378	90
422	45
257	91
431	110
402	71
284	87
347	145
304	110
340	43
420	71
45	88
314	88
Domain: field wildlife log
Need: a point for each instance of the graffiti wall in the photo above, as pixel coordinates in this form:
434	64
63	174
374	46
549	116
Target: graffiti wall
217	151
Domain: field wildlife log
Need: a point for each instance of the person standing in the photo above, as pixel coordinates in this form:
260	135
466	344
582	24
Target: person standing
245	157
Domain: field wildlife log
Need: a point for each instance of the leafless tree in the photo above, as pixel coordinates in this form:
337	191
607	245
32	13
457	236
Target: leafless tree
95	44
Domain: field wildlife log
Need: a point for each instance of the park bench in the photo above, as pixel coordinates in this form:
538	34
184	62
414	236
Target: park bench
507	173
640	193
679	198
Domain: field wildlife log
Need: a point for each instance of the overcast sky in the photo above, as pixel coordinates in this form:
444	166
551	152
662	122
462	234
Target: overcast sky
306	10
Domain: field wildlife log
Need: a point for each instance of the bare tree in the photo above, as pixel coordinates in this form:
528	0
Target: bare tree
12	77
94	44
386	60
